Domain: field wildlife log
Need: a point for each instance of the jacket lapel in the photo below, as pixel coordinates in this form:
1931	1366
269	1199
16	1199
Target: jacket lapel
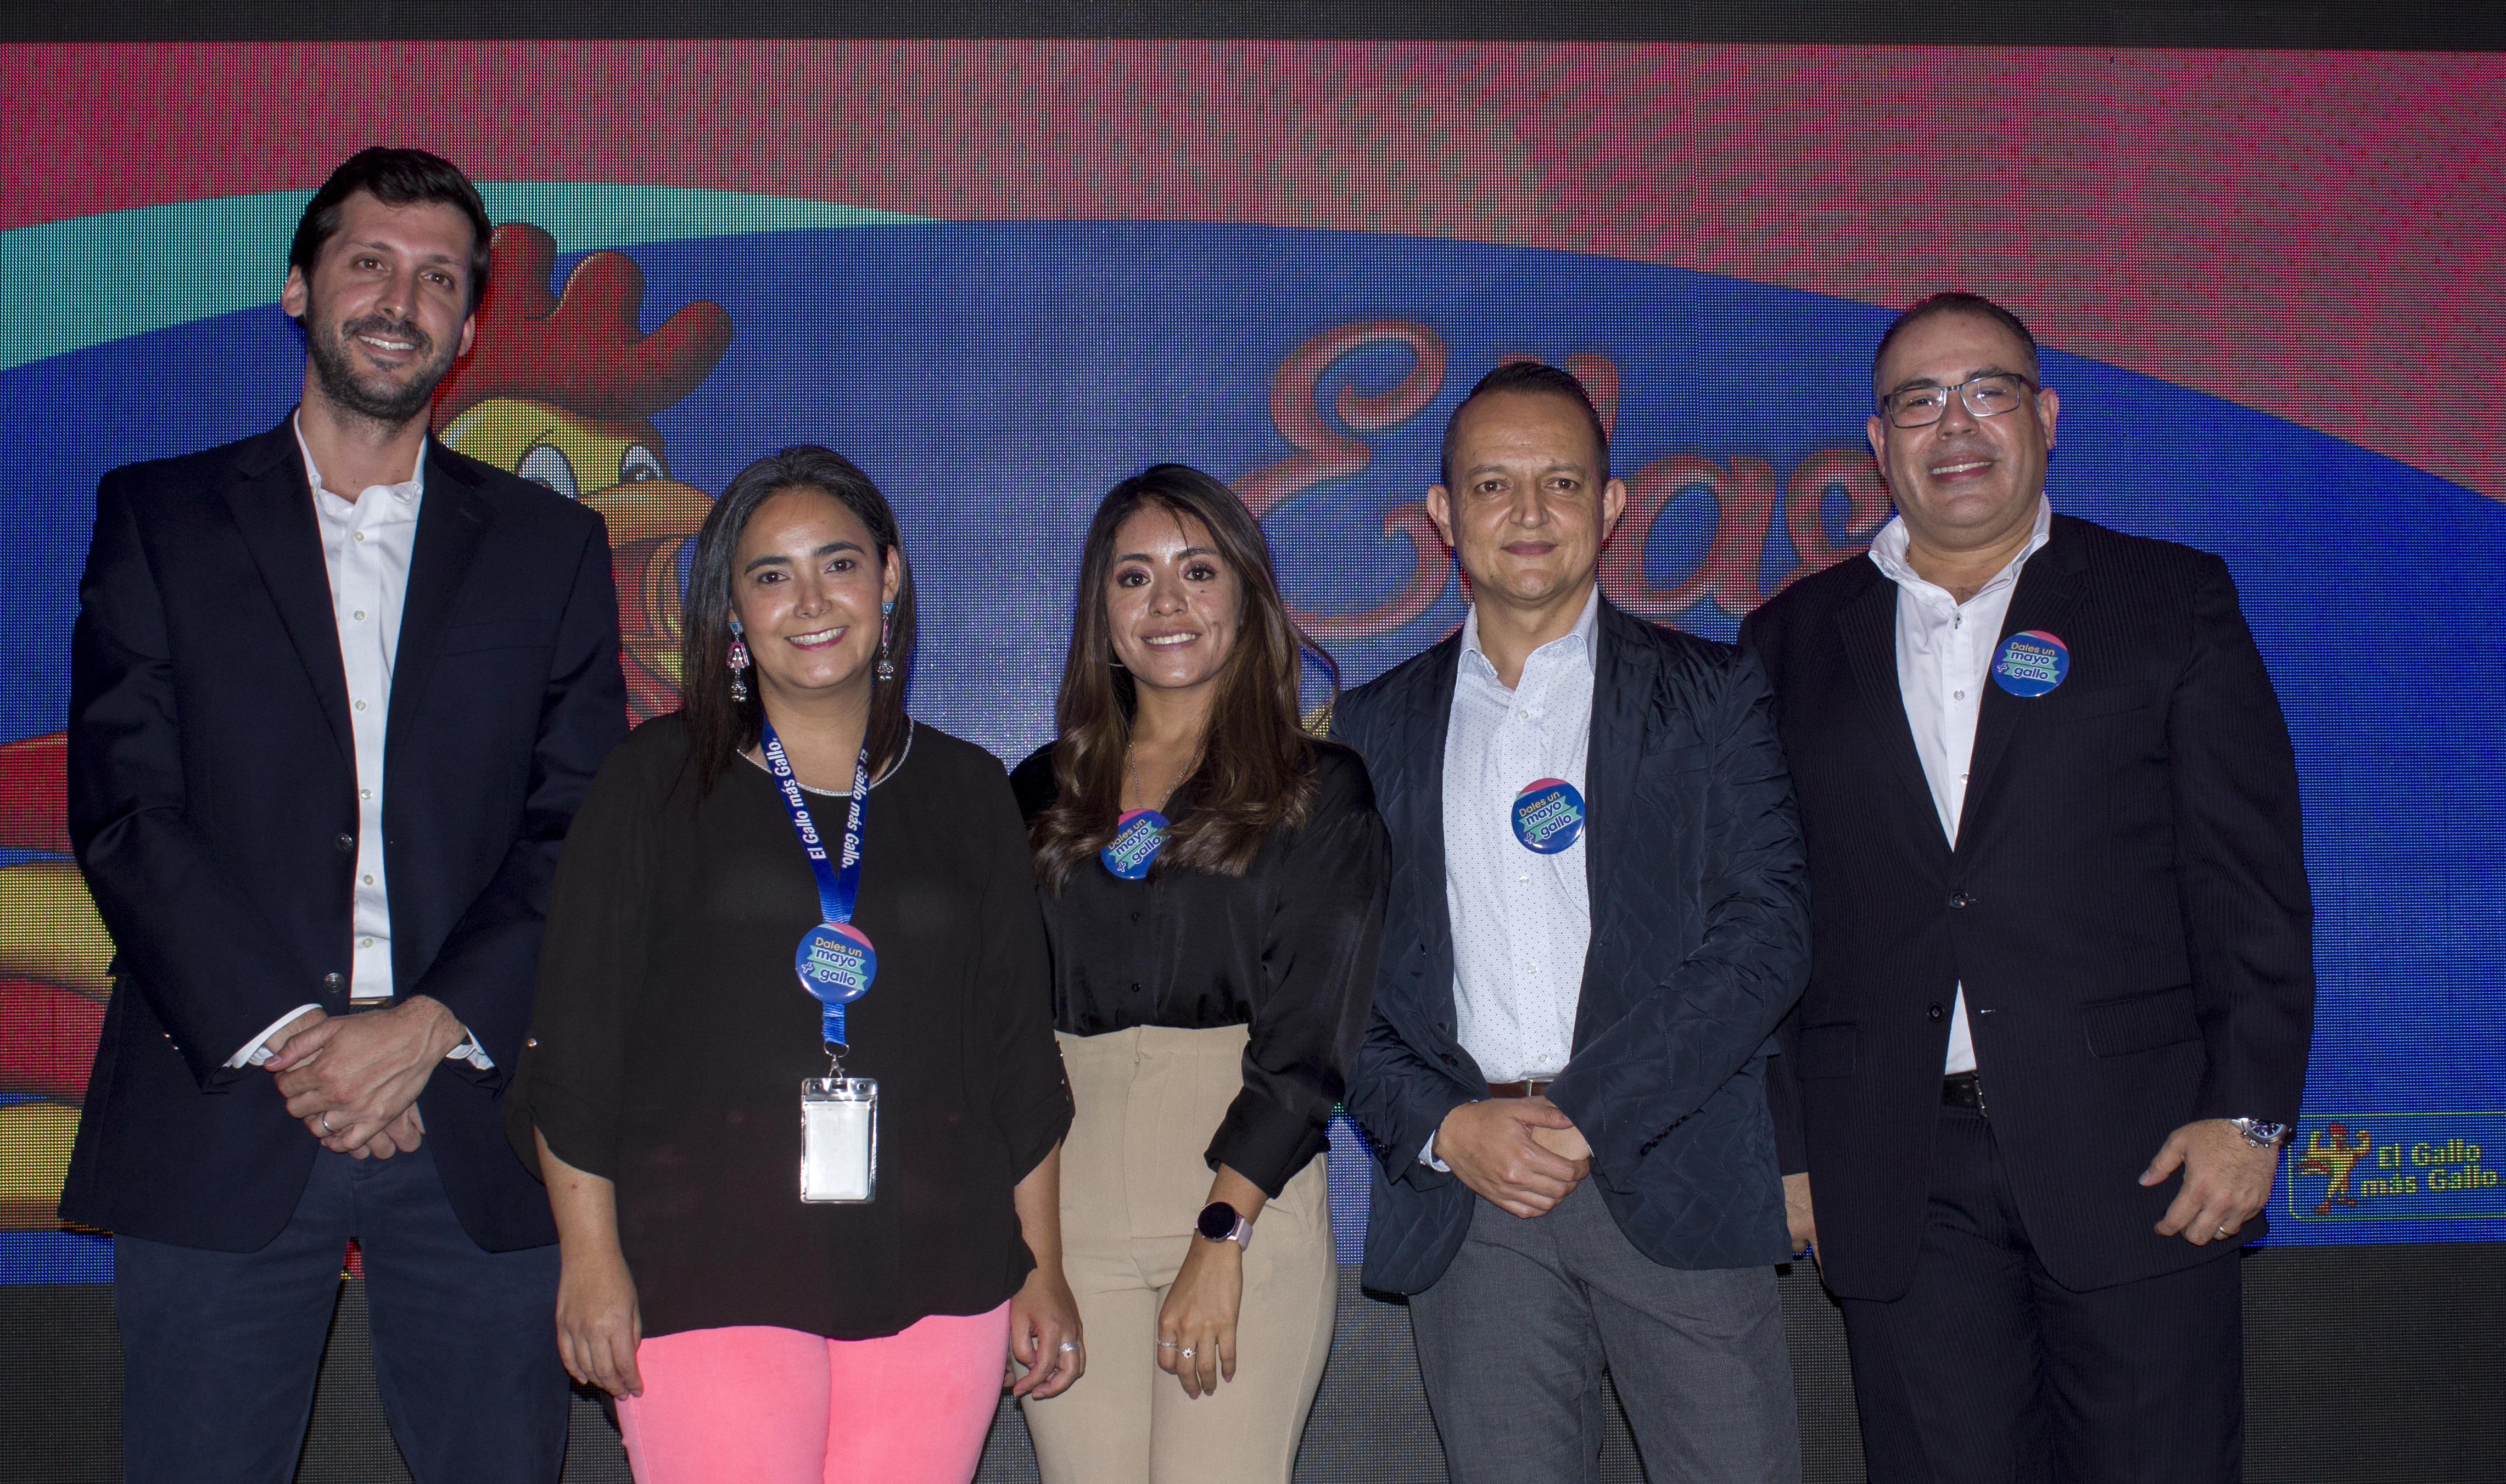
452	519
273	506
2048	592
1623	670
1866	625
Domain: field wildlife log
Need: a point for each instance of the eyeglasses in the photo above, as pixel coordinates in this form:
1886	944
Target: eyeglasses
1986	396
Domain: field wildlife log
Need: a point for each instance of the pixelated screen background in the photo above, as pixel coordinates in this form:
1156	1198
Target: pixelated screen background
1002	276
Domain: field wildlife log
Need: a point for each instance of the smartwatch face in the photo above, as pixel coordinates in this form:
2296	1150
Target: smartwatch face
1218	1220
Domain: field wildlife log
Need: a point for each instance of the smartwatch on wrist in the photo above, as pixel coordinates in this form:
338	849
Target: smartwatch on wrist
1220	1223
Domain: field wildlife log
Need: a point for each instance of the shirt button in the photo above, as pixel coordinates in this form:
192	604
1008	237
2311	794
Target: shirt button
1135	917
359	616
1136	988
364	793
1932	1011
361	705
1954	694
365	942
361	535
370	881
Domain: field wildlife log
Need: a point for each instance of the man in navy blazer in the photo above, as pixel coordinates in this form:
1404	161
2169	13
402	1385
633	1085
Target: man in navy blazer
336	691
2032	1100
1596	919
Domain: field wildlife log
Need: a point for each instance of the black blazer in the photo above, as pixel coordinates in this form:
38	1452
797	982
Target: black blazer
2126	906
213	807
1699	942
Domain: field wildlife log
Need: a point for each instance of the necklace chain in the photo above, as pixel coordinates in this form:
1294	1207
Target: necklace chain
1131	778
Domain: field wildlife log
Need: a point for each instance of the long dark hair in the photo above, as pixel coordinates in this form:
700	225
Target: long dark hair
1257	762
720	729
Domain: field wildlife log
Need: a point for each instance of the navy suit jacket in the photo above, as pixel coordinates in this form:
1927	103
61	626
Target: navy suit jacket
213	807
1699	944
2127	905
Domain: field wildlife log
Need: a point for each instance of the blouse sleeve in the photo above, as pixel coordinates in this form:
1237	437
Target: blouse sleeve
1030	1096
1318	960
572	1073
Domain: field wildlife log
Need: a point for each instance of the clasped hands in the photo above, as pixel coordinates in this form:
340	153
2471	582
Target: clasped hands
1523	1155
353	1080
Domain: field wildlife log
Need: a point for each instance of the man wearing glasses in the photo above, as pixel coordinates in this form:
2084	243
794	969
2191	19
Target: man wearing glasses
2061	982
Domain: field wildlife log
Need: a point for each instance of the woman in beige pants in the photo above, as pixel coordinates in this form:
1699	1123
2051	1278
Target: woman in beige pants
1212	881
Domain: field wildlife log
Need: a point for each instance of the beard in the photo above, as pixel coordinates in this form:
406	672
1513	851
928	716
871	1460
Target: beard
381	398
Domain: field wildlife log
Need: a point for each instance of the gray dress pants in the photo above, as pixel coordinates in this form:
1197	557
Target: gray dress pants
1514	1338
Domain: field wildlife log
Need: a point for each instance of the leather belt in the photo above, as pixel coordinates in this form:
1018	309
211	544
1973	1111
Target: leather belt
1962	1090
1528	1087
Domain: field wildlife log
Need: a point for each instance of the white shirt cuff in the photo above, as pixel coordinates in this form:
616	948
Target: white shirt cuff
254	1054
471	1051
1428	1157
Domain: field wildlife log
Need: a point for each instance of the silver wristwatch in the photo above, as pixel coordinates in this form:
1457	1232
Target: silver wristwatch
2261	1134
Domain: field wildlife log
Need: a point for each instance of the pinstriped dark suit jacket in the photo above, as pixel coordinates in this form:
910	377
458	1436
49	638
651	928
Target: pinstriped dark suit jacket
1698	934
2135	938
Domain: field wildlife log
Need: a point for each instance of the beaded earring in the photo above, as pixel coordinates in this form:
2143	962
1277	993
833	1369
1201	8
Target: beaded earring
886	666
737	658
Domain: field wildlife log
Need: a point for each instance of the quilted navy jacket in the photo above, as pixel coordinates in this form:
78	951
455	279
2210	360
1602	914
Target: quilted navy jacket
1699	944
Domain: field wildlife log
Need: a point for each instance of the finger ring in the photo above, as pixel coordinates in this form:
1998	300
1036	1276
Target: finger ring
326	1123
1069	1345
1165	1344
1187	1352
2223	1231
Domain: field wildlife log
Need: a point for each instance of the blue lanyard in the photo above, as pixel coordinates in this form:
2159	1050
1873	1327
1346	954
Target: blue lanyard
839	882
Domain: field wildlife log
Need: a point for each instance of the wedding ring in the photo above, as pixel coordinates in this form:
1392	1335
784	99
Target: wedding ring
1165	1344
326	1124
2223	1231
1068	1346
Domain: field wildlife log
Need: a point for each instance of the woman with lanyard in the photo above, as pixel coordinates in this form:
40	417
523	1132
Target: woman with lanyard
790	1079
1213	885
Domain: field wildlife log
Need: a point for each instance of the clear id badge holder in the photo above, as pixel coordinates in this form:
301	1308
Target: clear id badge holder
839	1140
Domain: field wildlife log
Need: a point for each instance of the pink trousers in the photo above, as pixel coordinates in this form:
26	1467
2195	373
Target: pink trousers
775	1406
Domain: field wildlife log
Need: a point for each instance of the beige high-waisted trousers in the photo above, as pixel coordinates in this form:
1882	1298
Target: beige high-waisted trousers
1132	1182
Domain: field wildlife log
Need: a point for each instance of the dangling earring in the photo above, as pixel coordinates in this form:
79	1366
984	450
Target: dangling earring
739	661
886	666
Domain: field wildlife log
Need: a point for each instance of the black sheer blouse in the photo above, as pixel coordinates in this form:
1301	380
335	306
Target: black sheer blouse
1287	949
671	1035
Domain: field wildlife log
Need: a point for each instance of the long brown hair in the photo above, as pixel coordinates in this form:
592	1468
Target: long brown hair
720	729
1257	762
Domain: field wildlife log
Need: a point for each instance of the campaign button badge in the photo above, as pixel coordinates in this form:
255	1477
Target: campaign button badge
1134	846
1547	815
835	963
2032	663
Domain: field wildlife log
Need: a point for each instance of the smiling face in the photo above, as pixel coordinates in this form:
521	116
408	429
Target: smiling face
1172	607
387	310
1964	483
807	585
1527	512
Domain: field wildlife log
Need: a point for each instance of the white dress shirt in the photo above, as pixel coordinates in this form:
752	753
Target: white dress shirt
367	541
1522	920
1945	652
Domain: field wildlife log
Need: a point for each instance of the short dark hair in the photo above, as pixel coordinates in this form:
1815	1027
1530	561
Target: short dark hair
395	178
1530	377
1955	301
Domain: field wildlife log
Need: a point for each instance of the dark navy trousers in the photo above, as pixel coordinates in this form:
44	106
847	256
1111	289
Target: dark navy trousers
220	1349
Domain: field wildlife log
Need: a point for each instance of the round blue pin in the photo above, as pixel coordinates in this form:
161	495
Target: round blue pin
2032	663
1547	815
1134	846
835	963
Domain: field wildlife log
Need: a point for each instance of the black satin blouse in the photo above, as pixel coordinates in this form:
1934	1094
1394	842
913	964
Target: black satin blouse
1286	949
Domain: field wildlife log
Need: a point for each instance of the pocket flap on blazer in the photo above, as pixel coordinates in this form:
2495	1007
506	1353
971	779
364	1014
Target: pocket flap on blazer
2113	700
1826	1051
2141	1023
510	634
